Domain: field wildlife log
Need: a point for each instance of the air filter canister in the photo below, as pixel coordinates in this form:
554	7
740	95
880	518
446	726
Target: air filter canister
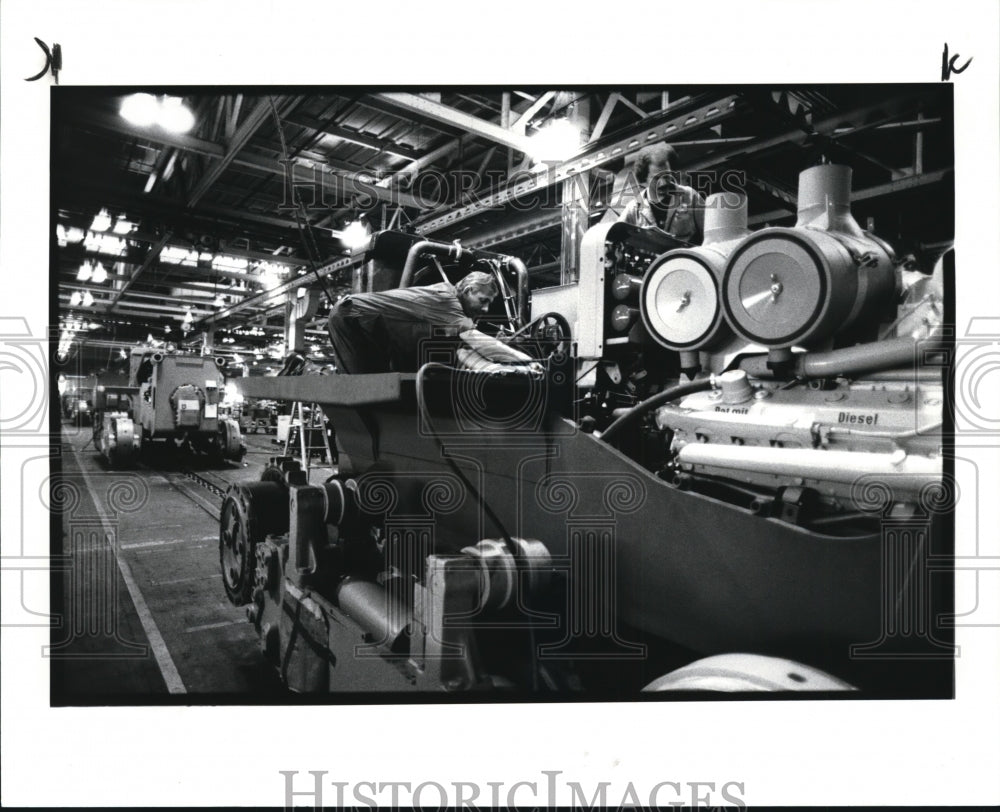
799	286
679	299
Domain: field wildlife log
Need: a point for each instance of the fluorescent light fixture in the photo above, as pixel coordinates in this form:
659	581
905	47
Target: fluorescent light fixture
223	262
85	272
122	226
75	235
100	275
554	142
140	109
219	301
88	300
75	298
102	222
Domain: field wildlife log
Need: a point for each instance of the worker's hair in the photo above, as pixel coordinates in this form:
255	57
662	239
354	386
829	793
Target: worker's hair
477	279
655	154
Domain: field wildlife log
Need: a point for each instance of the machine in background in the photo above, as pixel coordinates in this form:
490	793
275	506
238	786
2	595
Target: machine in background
116	437
179	395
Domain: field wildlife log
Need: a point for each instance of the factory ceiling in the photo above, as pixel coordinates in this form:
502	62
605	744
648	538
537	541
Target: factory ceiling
167	228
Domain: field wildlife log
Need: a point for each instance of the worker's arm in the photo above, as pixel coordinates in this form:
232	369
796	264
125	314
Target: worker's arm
492	349
630	214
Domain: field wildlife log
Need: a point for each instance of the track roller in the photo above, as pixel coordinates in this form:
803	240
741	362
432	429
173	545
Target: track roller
250	512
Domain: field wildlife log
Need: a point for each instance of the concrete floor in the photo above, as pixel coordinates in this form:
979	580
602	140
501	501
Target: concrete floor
145	615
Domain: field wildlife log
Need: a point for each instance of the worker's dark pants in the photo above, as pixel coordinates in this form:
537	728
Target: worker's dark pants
365	342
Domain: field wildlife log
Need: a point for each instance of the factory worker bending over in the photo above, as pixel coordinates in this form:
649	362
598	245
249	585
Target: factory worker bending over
383	332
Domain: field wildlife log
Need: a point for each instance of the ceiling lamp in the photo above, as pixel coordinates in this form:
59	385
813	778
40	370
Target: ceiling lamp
75	298
100	274
555	141
102	222
174	116
88	300
355	235
140	109
85	272
168	112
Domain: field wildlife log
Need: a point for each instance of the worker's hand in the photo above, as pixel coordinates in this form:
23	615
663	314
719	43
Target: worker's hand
532	370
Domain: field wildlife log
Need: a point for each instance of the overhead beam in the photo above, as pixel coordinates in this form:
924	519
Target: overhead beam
591	156
604	117
538	222
410	170
900	185
151	256
354	137
422	106
524	119
827	126
240	139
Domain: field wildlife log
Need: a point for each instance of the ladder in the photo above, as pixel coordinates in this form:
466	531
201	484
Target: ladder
308	439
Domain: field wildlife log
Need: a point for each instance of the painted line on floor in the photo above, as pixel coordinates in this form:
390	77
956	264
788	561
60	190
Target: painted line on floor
161	654
140	544
187	580
208	626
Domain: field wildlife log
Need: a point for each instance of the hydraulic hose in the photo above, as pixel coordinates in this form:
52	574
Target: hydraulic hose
650	403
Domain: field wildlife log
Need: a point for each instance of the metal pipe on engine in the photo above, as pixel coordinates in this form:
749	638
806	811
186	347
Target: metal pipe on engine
907	472
523	297
891	354
450	250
